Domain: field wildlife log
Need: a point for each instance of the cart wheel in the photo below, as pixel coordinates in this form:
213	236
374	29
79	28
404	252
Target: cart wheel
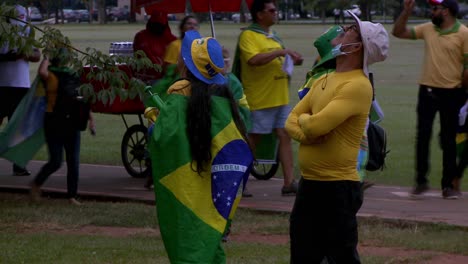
134	145
264	170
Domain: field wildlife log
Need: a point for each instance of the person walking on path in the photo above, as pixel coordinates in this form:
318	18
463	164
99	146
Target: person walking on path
59	128
258	63
14	76
329	123
441	86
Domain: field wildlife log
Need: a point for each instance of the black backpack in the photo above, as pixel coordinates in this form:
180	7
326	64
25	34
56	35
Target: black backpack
377	141
69	105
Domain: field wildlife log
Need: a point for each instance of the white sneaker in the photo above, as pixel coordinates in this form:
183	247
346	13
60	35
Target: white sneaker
74	202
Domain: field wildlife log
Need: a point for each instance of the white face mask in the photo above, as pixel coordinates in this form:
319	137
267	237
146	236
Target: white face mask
336	51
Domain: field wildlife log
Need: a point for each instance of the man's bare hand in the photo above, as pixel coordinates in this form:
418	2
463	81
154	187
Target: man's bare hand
35	56
295	56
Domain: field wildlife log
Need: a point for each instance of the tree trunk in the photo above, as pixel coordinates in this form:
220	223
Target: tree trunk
102	11
132	15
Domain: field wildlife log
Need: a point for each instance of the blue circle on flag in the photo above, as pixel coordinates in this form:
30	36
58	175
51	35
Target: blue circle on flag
229	168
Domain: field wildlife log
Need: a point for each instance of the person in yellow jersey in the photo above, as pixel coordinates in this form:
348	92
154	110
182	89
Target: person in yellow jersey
258	63
173	49
329	123
441	87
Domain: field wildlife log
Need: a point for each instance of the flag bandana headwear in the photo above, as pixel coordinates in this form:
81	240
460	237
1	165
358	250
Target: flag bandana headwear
375	41
452	5
203	57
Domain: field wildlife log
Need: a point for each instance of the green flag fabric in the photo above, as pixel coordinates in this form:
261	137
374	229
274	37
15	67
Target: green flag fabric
23	136
193	210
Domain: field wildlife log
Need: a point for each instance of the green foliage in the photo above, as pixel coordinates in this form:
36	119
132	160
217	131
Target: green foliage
109	80
15	35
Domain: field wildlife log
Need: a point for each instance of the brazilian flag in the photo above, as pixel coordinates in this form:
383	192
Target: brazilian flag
23	136
194	210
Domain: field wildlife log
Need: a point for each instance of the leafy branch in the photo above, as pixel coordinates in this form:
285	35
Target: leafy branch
105	80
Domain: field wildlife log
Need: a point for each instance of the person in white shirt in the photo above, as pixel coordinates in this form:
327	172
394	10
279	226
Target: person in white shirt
14	77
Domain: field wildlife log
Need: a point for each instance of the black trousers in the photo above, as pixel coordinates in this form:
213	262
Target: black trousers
323	222
10	97
58	139
447	102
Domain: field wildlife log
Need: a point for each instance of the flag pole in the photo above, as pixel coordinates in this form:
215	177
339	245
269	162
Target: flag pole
211	21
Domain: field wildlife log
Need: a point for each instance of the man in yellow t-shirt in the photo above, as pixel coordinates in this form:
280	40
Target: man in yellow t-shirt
329	123
258	63
443	79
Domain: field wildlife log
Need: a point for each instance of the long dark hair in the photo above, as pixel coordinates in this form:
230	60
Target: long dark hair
199	119
182	25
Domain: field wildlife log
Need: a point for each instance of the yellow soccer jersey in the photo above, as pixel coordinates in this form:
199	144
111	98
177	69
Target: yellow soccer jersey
266	85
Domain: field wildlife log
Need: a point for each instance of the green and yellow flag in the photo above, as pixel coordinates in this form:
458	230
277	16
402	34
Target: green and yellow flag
23	136
193	210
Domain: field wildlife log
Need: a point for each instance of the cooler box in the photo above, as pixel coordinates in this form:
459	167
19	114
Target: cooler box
129	106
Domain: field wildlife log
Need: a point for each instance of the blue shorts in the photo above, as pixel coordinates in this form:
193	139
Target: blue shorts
265	120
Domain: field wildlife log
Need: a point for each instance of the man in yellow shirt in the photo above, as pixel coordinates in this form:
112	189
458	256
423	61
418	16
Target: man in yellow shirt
258	63
329	123
444	75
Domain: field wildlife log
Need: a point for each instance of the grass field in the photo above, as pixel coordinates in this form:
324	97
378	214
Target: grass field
105	232
395	82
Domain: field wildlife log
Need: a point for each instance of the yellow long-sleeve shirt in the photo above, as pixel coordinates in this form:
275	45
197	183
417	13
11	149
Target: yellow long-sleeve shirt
329	123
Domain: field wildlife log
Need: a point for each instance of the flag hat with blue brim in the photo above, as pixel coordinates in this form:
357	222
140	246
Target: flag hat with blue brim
203	57
324	47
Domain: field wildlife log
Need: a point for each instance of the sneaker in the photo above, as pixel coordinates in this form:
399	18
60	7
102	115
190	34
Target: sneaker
74	202
420	189
35	193
149	183
290	190
21	172
450	194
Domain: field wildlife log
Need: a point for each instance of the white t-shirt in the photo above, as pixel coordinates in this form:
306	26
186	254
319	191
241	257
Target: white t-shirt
15	73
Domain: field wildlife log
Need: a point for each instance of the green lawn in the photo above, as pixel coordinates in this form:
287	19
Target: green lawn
395	83
53	231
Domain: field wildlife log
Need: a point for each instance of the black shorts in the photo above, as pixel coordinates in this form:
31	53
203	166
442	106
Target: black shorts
10	97
323	222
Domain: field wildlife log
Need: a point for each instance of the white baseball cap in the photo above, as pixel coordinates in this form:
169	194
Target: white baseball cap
375	41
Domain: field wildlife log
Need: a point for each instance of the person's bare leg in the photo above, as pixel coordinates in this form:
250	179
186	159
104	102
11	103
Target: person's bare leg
253	140
285	155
